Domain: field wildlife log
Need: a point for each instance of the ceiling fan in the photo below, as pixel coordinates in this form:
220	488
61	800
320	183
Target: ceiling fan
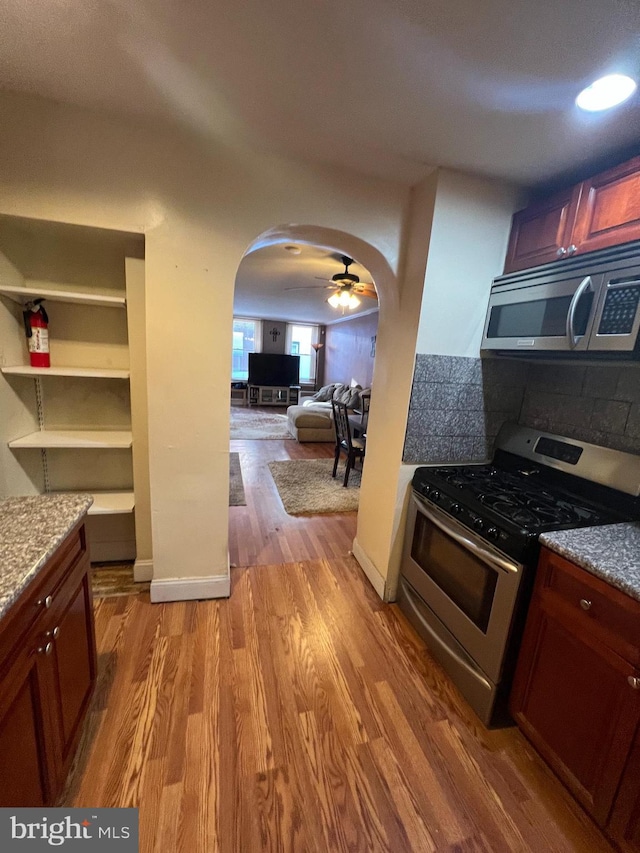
346	287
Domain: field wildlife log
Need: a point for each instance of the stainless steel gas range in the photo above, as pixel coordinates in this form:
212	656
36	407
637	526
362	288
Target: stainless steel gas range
471	547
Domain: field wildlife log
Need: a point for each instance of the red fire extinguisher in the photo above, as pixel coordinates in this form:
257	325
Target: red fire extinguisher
36	324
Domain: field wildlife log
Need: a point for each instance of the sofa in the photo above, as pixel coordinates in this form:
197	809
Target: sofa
312	419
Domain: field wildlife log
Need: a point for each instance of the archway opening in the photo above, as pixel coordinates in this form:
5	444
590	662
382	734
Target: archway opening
289	315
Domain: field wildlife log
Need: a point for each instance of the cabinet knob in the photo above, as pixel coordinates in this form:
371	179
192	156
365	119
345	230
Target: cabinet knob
46	602
585	604
53	634
572	249
46	650
634	682
561	252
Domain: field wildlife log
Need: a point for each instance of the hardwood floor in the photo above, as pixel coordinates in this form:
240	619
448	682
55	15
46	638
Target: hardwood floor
261	533
303	714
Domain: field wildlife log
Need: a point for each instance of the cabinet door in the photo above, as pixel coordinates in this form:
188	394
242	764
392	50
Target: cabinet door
73	662
609	209
572	699
624	825
542	232
27	773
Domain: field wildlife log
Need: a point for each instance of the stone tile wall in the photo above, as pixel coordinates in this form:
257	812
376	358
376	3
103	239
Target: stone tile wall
596	403
458	405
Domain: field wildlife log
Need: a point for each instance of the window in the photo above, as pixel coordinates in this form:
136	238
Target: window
246	339
299	342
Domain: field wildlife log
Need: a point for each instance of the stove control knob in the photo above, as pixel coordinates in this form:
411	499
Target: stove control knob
455	509
478	523
434	495
493	533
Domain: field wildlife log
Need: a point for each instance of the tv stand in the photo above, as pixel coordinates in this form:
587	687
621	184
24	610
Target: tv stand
274	395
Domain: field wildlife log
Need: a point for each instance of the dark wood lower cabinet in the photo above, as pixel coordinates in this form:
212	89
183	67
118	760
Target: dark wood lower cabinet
575	692
47	674
624	825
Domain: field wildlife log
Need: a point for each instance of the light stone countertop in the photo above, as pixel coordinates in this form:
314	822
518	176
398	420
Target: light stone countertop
610	552
31	529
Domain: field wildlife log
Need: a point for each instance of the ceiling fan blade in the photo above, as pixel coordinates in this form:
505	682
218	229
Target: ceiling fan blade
309	287
322	278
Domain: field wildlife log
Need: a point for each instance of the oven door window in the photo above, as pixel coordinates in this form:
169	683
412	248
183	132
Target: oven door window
466	580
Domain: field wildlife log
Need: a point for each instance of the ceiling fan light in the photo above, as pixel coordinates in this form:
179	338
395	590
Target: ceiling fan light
344	298
334	300
353	301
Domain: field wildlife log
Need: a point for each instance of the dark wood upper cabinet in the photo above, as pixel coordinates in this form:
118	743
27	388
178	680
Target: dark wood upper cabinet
609	211
541	232
600	212
575	692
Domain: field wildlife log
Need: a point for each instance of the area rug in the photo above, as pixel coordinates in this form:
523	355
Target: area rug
250	423
236	486
305	486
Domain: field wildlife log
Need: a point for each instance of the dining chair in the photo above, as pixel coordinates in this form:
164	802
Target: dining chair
354	448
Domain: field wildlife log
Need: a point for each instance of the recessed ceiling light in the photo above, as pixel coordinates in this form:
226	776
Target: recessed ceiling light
606	92
295	250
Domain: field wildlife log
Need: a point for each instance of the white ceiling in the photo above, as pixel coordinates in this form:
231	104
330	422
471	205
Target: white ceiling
387	87
265	276
384	86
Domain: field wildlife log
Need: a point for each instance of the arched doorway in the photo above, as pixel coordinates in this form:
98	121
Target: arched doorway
262	532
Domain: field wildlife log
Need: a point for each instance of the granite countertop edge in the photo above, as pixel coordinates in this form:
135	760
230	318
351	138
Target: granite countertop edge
611	552
31	529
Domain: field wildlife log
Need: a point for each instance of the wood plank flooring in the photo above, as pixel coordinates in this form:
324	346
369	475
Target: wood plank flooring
261	532
303	714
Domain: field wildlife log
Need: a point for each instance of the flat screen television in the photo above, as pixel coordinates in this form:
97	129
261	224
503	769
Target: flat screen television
273	369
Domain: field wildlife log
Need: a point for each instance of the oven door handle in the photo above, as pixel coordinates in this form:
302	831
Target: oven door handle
437	517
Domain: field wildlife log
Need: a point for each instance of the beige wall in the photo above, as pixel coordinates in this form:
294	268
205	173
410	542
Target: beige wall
468	245
393	372
136	321
200	205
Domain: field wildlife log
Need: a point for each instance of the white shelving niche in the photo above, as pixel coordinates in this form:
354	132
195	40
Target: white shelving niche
81	424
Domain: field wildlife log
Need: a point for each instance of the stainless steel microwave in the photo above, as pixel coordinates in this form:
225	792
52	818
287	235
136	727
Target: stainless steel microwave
586	306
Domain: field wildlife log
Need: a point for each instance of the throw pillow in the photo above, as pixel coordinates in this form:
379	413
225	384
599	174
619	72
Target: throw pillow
347	395
324	394
341	393
356	399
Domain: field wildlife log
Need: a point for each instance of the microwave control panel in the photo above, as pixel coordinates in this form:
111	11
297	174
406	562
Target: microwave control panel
620	309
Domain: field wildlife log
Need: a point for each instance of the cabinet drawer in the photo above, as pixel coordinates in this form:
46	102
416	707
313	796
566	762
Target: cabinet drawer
31	606
595	605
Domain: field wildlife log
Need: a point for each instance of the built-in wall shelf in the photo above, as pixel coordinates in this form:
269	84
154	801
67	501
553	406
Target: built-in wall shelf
78	439
78	297
111	503
82	372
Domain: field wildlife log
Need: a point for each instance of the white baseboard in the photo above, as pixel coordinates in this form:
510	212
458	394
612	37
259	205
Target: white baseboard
188	589
367	566
143	570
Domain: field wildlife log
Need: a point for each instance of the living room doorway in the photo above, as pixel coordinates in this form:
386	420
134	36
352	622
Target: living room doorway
281	307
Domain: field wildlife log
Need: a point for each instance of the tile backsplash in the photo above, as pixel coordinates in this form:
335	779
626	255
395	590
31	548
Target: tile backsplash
458	404
596	403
